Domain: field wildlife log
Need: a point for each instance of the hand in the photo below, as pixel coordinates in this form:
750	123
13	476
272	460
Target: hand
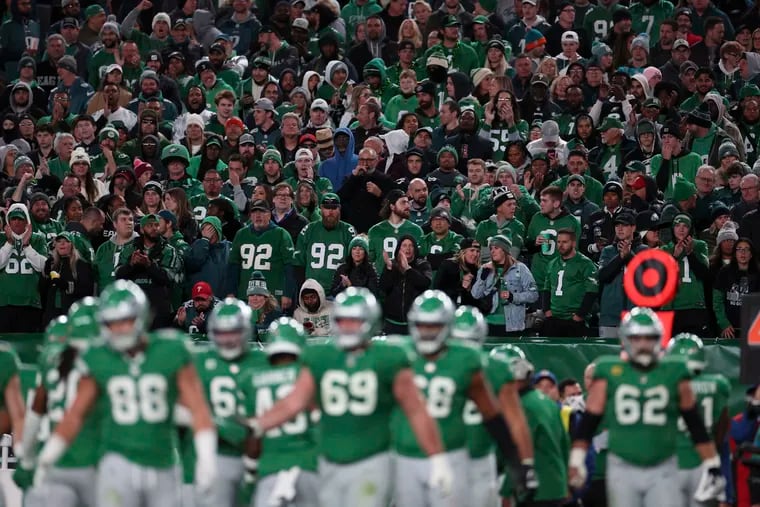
624	248
135	259
460	192
26	178
577	472
508	114
576	318
688	244
374	189
727	332
403	263
198	321
528	180
181	315
548	314
515	189
205	475
441	475
490	114
208	231
617	92
467	281
286	302
712	484
27	235
23	477
359	170
9	235
504	295
58	112
540	240
387	260
345	281
527	480
678	250
145	5
234	179
43	167
604	91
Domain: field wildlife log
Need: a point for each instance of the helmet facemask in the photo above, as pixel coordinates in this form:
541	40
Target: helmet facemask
429	337
643	350
122	334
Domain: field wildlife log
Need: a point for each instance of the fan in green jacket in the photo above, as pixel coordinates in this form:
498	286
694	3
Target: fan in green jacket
375	76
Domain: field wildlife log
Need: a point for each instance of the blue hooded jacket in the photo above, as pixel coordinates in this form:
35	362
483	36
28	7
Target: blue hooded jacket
339	167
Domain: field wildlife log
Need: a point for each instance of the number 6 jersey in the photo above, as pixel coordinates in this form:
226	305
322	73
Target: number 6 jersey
642	408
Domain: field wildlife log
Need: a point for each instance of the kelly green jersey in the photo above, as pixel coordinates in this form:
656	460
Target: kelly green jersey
647	19
9	367
449	244
594	189
598	21
50	229
541	224
18	277
138	395
106	262
383	237
292	444
500	135
268	251
513	229
84	451
479	441
199	206
568	281
712	393
320	250
476	205
642	406
444	382
220	378
690	294
551	446
686	165
355	395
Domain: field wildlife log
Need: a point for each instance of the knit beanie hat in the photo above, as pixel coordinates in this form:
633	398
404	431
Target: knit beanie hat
683	189
501	195
700	116
718	209
478	75
727	148
79	155
450	149
642	41
500	241
216	224
728	231
257	285
272	154
534	39
360	241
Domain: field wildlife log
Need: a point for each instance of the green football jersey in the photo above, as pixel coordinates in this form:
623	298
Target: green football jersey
476	205
106	261
268	251
220	378
642	408
690	293
551	447
598	21
9	367
444	382
686	165
500	135
513	229
383	237
50	229
712	392
479	441
199	204
138	395
647	19
292	444
355	395
18	278
448	244
541	224
320	251
84	451
568	281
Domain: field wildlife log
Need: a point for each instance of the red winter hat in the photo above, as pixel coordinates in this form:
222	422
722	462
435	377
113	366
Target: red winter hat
234	121
141	167
202	289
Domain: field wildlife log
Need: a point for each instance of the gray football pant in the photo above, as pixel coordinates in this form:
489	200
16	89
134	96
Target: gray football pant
122	483
229	476
629	485
365	483
688	480
64	487
307	491
481	482
413	474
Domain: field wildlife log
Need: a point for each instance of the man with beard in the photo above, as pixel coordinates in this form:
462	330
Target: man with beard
369	123
180	42
74	47
363	191
42	222
417	192
192	316
96	67
660	53
147	125
37	101
105	163
749	120
446	177
195	103
375	45
212	189
132	68
151	263
383	237
299	37
47	71
467	142
19	36
460	55
79	92
242	26
281	54
573	107
69	9
150	87
223	67
168	86
704	79
427	113
87	234
250	89
247	150
537	103
614	150
329	50
112	111
107	255
322	246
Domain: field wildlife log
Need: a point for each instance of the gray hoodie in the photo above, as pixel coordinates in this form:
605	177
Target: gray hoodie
319	320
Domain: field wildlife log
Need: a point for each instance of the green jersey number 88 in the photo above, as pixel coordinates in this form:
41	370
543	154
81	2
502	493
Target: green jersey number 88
133	400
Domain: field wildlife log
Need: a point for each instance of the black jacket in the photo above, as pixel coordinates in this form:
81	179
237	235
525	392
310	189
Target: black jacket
293	223
362	209
400	289
363	275
448	278
470	145
58	294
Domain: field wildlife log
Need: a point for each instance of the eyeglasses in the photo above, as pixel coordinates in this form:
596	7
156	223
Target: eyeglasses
284	196
212	180
743	249
366	160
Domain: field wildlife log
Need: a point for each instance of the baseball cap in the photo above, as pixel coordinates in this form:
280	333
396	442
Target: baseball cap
246	139
570	36
680	43
576	177
264	104
542	374
625	219
260	205
330	201
202	290
148	218
300	23
172	219
70	23
320	104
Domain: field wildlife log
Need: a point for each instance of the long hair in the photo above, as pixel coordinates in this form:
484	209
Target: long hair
183	207
90	190
72	260
753	267
417	39
270	304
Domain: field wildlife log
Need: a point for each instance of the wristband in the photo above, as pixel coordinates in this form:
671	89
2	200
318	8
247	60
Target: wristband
577	457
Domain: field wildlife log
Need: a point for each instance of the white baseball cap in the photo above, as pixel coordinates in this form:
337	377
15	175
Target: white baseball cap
570	36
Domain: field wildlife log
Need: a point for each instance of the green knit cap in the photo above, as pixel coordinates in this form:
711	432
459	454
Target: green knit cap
216	224
272	154
451	150
683	189
359	241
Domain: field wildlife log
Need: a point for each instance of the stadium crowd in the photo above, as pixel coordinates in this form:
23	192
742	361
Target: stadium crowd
513	154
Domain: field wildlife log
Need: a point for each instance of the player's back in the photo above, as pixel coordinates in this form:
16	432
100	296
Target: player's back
642	408
354	390
139	394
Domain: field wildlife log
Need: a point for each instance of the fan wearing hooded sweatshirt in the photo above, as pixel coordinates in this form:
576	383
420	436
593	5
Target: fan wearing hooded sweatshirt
334	88
22	259
338	167
313	310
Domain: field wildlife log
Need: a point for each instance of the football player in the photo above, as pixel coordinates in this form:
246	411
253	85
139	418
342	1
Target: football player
72	482
137	378
358	383
550	438
641	398
712	392
447	372
11	400
287	465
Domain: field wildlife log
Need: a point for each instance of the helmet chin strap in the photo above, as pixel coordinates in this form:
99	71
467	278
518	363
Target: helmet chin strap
230	352
349	341
644	359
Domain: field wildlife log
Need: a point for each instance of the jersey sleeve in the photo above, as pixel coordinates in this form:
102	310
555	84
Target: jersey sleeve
590	280
299	255
498	373
606	366
286	247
